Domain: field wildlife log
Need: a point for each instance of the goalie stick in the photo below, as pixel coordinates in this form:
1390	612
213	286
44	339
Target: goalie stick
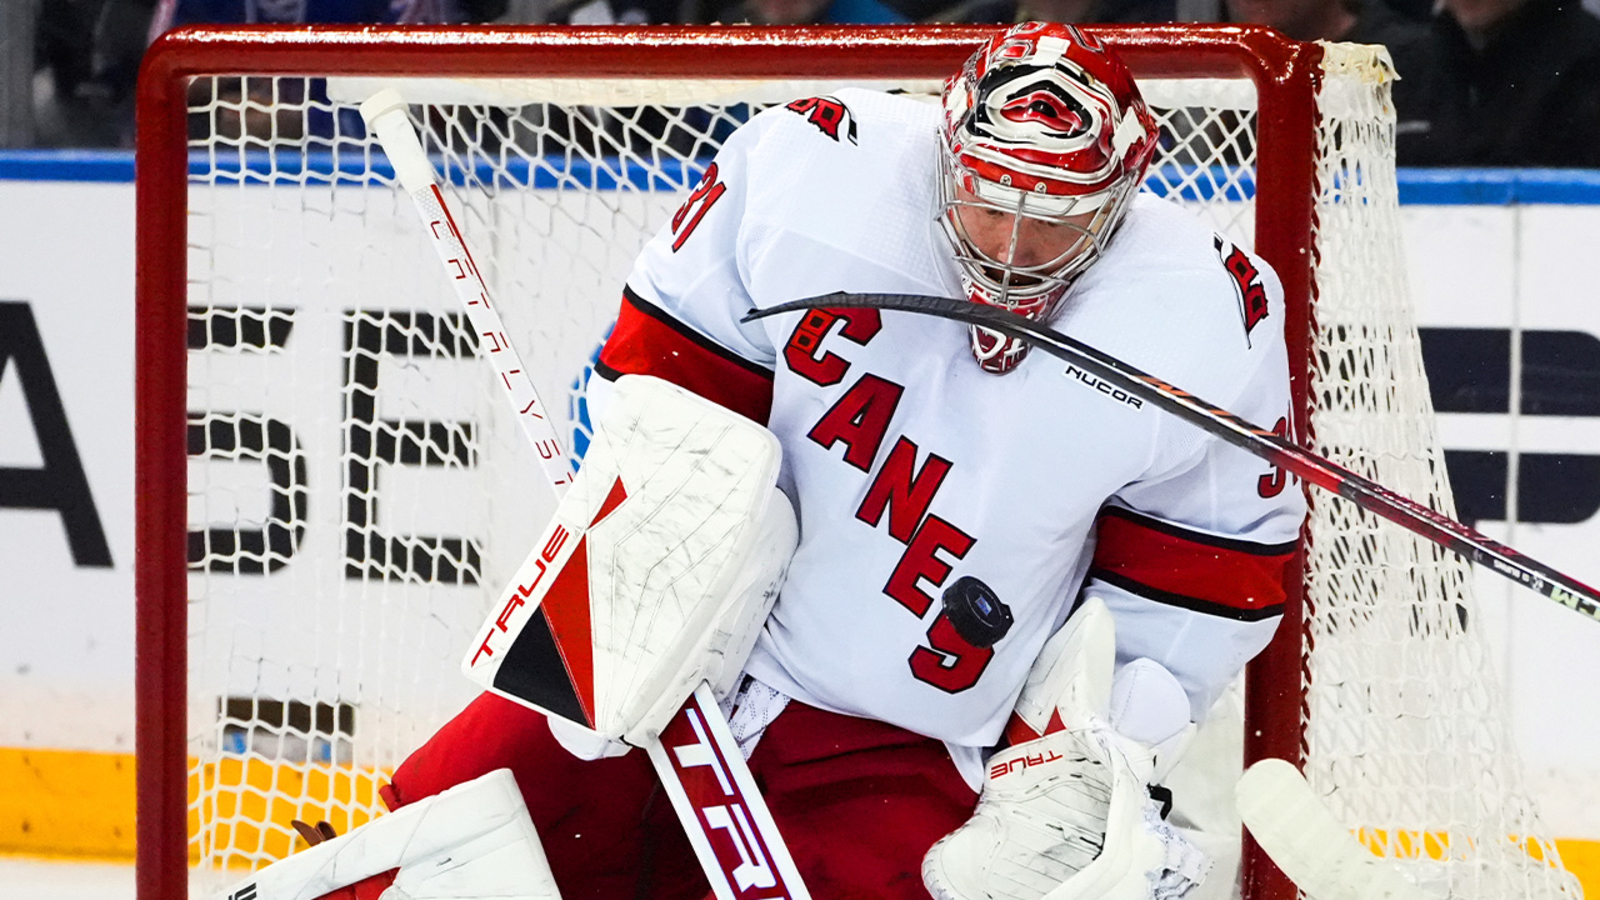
698	761
1276	449
1319	855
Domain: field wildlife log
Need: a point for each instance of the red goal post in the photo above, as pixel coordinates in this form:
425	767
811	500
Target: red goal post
1313	185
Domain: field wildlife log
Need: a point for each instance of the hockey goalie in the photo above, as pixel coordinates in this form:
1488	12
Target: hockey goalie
1008	591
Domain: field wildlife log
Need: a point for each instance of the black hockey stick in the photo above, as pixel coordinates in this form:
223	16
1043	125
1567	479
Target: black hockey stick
1278	450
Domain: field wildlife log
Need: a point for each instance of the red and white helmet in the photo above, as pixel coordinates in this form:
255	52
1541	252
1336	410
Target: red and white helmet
1046	126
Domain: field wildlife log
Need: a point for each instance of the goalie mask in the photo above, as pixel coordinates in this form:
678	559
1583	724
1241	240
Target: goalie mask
1044	143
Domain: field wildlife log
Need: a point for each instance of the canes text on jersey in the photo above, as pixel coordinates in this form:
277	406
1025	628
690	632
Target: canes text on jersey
859	419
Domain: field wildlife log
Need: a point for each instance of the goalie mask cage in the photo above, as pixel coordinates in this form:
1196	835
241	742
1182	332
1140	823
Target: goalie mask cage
329	493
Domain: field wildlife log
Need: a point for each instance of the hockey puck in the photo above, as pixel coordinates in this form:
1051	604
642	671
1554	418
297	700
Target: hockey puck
976	612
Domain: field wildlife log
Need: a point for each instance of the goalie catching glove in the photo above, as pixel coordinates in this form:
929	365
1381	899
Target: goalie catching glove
1066	812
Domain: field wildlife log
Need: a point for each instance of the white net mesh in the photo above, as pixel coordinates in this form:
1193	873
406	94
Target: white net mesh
1407	732
357	494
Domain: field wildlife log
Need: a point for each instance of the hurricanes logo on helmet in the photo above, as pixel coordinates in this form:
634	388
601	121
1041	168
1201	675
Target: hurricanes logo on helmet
1048	107
1039	107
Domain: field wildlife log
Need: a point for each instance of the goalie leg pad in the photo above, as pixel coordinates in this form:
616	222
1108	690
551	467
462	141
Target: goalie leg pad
472	841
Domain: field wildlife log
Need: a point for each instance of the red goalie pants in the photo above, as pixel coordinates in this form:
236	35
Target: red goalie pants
858	802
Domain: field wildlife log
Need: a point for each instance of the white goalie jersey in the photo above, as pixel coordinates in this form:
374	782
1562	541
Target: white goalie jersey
951	518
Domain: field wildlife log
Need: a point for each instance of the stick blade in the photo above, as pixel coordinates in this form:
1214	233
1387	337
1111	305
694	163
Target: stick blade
1317	853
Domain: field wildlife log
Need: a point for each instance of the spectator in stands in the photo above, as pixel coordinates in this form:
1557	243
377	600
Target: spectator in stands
183	12
808	12
232	107
1412	10
618	12
981	12
18	19
1358	21
89	51
1504	83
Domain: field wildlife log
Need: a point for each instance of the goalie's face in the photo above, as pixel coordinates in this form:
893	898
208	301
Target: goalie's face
1015	248
1044	143
1016	258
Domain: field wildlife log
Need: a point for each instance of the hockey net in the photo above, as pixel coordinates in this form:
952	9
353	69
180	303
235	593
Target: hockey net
356	494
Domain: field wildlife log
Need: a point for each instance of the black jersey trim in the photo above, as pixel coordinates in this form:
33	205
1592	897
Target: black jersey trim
1238	545
1193	604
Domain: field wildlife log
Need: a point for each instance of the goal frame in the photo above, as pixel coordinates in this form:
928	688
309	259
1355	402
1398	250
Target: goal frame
1284	73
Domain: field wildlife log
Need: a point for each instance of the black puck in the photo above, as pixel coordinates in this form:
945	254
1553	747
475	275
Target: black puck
976	612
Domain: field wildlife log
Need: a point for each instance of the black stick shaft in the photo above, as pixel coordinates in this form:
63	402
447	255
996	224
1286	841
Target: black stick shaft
1275	449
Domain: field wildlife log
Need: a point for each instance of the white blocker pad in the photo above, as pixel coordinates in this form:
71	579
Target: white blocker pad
635	592
471	842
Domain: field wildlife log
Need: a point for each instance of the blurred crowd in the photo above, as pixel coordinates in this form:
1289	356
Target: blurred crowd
1482	82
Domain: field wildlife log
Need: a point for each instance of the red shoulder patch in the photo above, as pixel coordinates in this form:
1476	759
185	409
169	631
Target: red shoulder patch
829	115
1246	280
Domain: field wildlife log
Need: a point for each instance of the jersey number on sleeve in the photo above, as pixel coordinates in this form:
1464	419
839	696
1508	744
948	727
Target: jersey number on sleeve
1271	484
694	209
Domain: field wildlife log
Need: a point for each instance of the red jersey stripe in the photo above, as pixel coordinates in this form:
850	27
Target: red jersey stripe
648	341
1168	564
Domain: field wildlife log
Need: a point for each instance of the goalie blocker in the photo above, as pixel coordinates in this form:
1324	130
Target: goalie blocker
675	543
650	584
655	574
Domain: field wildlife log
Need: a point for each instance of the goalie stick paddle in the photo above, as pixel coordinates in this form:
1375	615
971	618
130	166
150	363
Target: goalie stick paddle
699	763
1275	449
1319	855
